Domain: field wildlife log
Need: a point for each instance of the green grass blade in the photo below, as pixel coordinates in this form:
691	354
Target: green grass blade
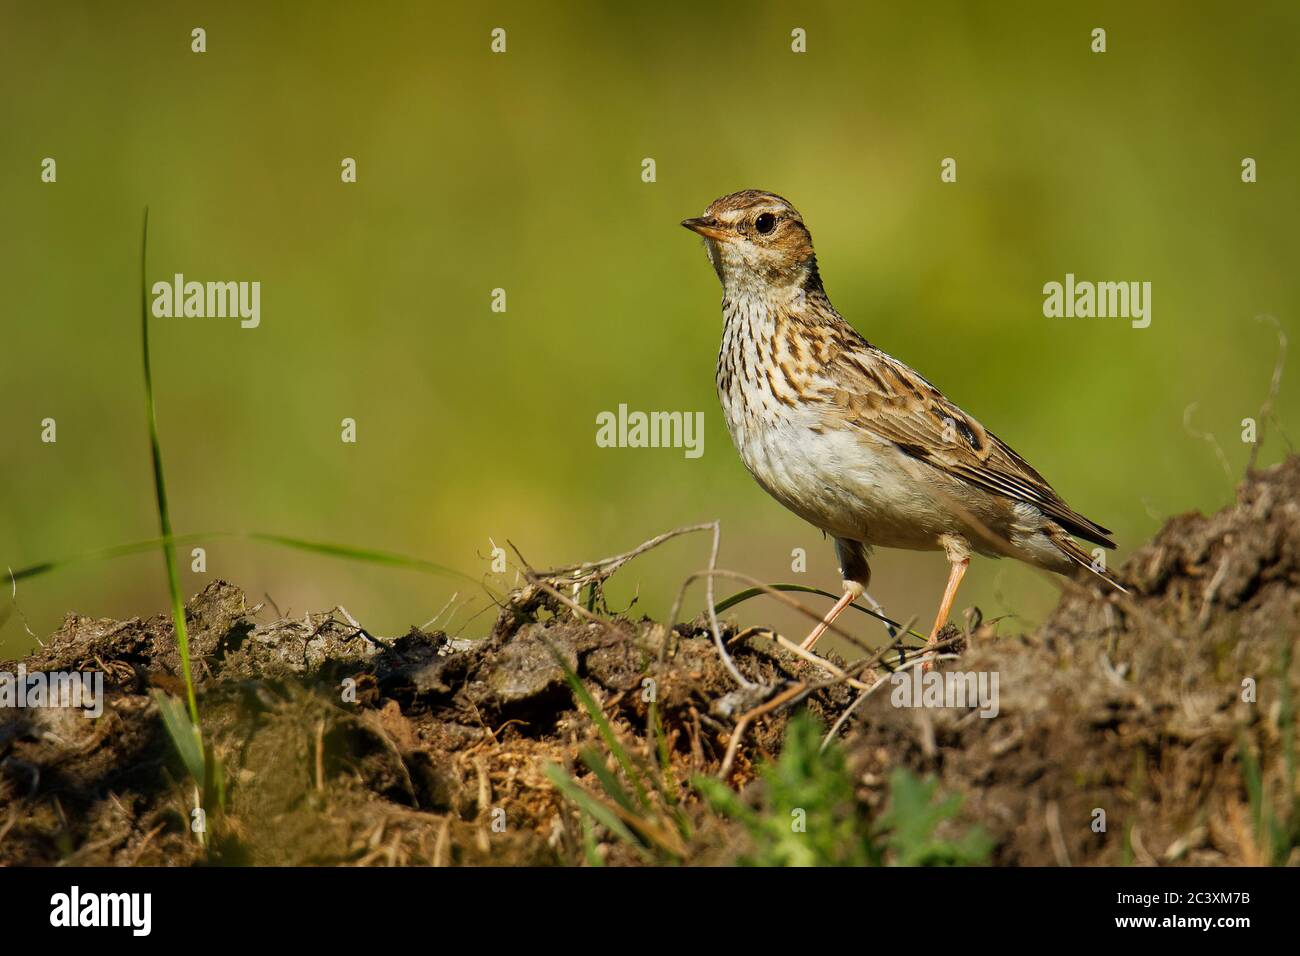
115	551
666	782
1254	780
368	555
590	805
1286	721
608	782
740	597
330	549
160	488
602	724
589	842
183	733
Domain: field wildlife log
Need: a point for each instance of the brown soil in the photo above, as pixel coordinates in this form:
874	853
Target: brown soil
1128	705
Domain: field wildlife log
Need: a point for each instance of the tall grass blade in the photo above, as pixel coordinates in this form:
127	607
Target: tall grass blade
327	548
160	490
368	555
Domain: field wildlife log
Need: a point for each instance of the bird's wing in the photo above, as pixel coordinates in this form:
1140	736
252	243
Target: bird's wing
881	395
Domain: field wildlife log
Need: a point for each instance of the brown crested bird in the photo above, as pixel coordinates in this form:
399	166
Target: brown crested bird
852	440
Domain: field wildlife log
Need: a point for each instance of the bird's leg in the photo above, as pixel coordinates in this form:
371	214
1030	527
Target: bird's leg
856	575
852	591
958	563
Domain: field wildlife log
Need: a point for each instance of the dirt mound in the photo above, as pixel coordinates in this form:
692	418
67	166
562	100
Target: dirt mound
343	748
340	747
1139	706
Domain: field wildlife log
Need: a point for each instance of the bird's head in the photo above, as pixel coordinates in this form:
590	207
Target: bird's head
757	243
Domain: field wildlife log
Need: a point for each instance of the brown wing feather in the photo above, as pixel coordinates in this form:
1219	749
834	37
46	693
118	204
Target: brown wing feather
1070	548
892	401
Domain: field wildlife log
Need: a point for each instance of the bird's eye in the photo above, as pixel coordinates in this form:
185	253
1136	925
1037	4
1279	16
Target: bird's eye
765	223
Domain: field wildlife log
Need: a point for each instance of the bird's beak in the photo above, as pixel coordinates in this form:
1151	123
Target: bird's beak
707	227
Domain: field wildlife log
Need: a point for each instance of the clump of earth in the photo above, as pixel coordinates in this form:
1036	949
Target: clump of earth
1126	729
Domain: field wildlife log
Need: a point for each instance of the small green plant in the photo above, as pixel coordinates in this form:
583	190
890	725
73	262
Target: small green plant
640	805
809	815
912	817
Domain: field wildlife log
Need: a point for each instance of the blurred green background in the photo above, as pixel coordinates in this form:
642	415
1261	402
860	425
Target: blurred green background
523	171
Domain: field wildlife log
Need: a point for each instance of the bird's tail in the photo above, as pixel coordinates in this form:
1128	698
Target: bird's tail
1077	556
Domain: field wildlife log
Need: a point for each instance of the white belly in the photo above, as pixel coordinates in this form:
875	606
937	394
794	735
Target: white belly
842	482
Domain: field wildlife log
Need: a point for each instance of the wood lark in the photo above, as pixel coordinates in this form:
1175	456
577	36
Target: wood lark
851	439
